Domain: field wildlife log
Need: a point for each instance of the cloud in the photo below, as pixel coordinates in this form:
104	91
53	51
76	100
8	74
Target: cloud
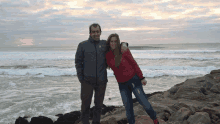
24	42
59	39
62	22
135	28
216	11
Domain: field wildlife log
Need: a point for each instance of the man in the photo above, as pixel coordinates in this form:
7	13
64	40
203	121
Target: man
90	63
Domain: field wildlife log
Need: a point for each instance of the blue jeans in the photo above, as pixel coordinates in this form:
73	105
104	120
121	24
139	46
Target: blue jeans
134	85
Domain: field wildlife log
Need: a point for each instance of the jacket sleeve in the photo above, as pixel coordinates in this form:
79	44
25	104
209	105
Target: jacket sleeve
79	62
131	60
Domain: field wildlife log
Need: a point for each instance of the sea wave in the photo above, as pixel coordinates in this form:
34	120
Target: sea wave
175	58
27	67
145	54
15	67
174	51
148	71
51	55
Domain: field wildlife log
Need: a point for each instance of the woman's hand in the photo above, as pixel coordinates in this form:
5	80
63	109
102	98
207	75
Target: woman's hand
144	82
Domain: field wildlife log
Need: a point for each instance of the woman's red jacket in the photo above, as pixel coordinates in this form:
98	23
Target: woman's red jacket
127	68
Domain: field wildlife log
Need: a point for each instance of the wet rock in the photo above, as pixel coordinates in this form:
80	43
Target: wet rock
213	104
181	115
215	71
122	121
173	90
177	106
214	118
189	93
111	120
68	117
143	119
21	120
164	116
105	109
216	89
199	117
176	122
41	120
208	85
209	110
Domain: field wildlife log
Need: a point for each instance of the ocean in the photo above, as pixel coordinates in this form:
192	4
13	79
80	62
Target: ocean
42	81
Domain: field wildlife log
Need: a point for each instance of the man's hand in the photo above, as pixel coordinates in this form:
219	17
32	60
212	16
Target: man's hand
124	47
144	82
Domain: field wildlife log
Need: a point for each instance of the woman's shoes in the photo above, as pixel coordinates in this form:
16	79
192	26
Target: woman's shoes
156	121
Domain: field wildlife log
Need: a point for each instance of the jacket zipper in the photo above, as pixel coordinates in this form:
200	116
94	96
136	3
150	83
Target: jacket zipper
96	62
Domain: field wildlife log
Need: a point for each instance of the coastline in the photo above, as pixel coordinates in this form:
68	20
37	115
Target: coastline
193	101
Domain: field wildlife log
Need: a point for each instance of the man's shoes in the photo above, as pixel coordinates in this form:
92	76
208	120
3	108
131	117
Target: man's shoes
156	121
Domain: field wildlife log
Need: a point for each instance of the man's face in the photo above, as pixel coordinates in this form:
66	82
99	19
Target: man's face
95	33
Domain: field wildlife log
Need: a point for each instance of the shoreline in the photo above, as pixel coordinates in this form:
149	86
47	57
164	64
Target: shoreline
195	100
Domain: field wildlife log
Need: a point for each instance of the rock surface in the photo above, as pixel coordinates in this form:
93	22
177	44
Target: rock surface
190	102
193	101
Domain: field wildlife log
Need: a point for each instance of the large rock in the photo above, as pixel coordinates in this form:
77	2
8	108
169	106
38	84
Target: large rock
215	71
181	115
111	120
199	117
144	119
41	120
68	118
21	120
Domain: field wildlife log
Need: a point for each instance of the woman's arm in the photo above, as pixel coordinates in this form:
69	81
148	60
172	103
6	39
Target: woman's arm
131	60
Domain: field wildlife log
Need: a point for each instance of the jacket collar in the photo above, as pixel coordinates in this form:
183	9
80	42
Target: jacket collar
92	40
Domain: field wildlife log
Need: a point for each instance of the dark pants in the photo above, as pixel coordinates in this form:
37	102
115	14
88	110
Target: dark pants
86	97
134	85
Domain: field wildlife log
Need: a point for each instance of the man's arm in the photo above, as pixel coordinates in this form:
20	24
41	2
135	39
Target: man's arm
124	46
79	62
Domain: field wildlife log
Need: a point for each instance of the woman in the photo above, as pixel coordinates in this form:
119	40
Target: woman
129	78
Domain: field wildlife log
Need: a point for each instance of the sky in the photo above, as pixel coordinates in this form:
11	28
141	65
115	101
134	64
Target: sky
49	23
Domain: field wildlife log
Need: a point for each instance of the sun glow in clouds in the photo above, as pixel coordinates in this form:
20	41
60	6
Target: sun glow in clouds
26	42
58	39
135	29
74	4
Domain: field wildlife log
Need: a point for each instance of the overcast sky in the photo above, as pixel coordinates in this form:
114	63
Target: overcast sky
66	22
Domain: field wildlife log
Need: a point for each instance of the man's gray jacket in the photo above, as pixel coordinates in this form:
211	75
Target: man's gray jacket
90	62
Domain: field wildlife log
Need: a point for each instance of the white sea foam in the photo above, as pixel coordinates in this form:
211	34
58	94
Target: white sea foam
173	51
37	55
39	72
148	71
70	55
12	84
157	71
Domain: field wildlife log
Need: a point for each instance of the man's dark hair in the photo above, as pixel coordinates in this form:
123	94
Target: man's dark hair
94	25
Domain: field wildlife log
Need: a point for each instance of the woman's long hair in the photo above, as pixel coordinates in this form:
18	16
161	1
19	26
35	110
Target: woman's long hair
117	50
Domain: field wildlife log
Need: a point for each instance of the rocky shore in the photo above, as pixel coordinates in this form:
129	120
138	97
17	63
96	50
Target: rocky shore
194	101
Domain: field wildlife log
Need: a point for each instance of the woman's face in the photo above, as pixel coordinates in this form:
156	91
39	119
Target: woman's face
113	42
